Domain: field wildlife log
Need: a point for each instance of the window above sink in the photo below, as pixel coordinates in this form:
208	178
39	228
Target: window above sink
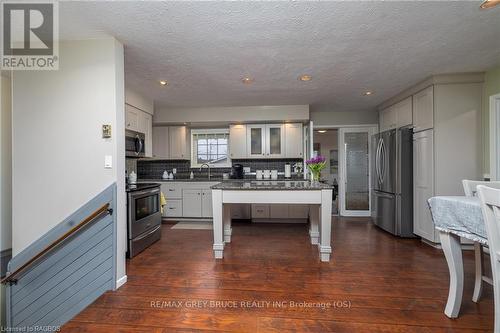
210	146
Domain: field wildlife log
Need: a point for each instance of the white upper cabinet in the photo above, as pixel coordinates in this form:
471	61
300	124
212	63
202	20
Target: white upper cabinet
142	122
266	141
275	140
177	142
146	127
388	119
397	115
238	141
256	141
423	109
404	112
131	118
294	142
160	142
170	142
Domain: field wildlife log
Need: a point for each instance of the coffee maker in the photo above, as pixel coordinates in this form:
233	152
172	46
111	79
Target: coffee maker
237	171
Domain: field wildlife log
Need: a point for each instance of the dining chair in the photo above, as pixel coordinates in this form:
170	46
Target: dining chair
490	206
470	190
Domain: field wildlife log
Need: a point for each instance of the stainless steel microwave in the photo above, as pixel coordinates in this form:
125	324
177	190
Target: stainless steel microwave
135	144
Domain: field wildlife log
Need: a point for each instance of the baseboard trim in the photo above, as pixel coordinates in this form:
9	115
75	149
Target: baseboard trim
121	281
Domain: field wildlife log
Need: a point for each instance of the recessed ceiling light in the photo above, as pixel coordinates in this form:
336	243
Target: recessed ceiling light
163	82
321	131
489	4
247	80
368	93
305	78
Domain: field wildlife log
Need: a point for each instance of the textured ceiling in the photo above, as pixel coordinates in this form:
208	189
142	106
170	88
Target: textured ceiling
204	48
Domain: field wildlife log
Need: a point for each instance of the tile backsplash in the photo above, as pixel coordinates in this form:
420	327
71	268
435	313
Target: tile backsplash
153	169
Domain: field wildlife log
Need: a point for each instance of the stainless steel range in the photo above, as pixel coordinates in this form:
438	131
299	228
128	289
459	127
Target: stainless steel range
144	217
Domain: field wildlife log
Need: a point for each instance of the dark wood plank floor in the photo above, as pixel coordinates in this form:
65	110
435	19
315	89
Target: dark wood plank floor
374	283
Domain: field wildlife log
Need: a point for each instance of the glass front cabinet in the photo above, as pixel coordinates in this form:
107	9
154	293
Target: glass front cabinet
266	141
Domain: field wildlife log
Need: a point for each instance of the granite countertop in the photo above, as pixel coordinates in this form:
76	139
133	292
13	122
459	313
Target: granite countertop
184	180
277	185
211	180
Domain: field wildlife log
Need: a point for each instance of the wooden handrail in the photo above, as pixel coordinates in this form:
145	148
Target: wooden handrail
98	213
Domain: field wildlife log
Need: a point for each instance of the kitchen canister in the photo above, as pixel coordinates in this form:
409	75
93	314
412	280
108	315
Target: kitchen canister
267	174
258	174
274	174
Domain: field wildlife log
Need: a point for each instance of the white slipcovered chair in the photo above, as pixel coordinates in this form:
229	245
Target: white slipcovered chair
490	205
470	190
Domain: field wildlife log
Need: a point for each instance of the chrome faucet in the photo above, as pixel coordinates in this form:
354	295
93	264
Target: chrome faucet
208	166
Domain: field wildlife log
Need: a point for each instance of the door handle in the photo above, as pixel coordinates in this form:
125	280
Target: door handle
377	161
384	161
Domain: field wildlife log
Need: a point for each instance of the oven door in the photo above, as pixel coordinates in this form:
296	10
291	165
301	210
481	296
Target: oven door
144	211
135	144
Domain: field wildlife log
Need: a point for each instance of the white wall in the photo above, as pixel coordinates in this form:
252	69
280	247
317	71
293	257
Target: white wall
58	149
232	114
5	165
5	177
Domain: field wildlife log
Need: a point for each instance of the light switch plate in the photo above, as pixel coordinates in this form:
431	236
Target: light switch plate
246	169
108	162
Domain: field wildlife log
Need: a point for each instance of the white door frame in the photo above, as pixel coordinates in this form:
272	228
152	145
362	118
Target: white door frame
371	129
494	137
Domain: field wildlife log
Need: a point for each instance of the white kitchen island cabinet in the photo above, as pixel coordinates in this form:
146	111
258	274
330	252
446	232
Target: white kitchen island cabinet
318	196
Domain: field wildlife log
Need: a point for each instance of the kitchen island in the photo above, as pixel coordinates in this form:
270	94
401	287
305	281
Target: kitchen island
317	195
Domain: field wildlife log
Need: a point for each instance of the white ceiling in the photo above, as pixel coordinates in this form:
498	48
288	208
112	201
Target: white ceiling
204	48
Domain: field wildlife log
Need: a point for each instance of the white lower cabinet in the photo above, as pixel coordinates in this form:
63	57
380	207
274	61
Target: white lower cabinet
206	203
241	211
173	208
260	211
197	203
187	199
298	211
277	212
191	203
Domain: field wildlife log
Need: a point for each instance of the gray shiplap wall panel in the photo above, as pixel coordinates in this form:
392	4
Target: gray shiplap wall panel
83	290
59	254
62	268
88	282
90	297
71	276
76	270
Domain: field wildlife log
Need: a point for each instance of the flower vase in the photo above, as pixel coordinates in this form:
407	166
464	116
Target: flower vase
315	176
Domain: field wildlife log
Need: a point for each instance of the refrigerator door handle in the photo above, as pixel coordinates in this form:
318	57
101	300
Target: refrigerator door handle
383	162
377	161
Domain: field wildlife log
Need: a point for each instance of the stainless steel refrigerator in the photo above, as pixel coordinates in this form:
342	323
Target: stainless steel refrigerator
392	181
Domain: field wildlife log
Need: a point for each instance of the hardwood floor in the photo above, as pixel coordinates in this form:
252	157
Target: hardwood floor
374	283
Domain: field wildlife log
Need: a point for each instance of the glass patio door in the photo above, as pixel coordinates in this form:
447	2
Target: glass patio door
355	170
